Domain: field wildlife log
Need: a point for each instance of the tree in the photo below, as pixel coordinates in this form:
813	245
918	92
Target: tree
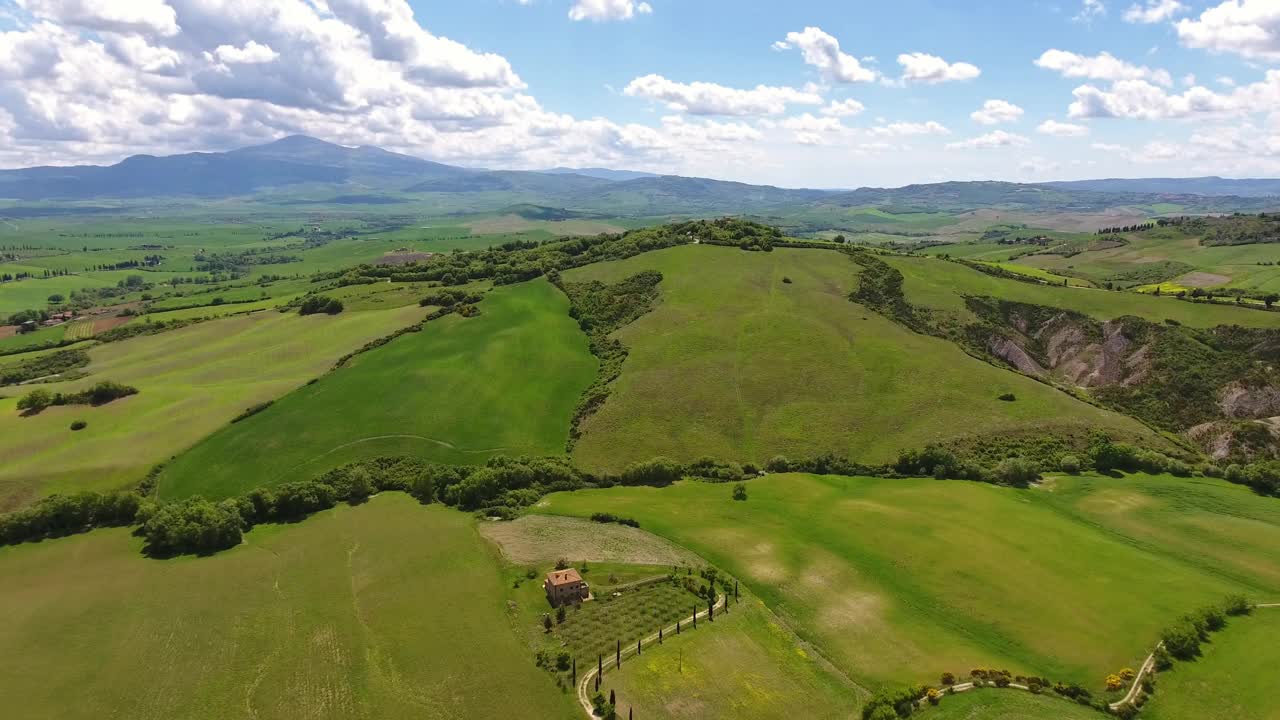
546	622
1127	674
56	298
1182	641
739	492
560	615
1237	605
1114	683
1018	472
840	239
1069	464
1270	299
35	401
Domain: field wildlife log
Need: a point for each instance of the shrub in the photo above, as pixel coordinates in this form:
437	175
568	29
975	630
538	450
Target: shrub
320	304
35	401
79	425
1114	683
253	410
1127	674
1018	472
948	679
194	525
1069	464
658	471
1182	641
1008	397
1236	605
1214	619
786	280
778	464
739	492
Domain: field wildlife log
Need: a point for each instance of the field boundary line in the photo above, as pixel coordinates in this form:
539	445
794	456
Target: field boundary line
584	697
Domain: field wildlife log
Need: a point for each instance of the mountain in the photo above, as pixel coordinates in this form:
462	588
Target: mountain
1213	186
601	173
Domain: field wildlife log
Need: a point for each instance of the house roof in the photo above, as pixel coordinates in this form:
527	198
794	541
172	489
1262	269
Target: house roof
563	577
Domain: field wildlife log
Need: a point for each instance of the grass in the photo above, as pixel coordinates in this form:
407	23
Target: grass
746	666
460	391
897	581
736	363
345	615
193	381
1038	274
942	285
995	704
1233	680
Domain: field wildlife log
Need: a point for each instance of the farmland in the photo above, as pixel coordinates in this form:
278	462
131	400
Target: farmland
896	581
221	367
342	616
461	390
713	368
1006	705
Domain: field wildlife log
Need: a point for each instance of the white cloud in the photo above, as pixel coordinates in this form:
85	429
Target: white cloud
122	16
606	10
925	68
822	51
994	112
702	98
1089	10
843	108
1250	28
1140	100
1225	81
251	54
901	129
996	139
1061	129
1103	66
1154	11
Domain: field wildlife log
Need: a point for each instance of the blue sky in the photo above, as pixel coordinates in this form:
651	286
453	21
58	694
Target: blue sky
745	91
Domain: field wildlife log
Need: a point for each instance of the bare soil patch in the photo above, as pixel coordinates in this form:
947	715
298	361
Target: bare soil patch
104	324
8	331
1203	280
542	538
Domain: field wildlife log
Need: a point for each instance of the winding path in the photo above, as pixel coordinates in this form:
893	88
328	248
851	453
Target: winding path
584	695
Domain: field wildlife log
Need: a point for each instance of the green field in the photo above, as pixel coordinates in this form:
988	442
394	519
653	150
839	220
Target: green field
192	381
738	364
745	665
897	581
942	285
459	391
995	704
385	610
1235	678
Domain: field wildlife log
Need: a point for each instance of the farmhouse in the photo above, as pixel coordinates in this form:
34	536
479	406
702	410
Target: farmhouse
565	586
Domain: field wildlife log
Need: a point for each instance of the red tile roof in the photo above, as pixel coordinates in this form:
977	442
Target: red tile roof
563	577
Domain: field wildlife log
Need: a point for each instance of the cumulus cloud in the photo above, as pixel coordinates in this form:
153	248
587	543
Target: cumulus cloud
996	139
822	51
843	108
1245	27
251	54
994	112
119	16
1103	66
901	129
606	10
925	68
1061	129
1154	11
703	98
1090	10
1140	100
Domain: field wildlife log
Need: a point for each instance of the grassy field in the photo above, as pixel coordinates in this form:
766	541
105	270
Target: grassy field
897	581
460	391
737	363
347	615
993	704
192	381
1038	274
1235	679
942	285
745	666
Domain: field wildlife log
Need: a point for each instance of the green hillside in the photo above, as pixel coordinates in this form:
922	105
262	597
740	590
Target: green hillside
738	363
342	616
898	581
460	391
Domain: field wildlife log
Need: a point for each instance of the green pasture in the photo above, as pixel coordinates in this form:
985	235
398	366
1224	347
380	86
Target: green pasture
736	363
1235	678
1038	274
898	581
385	610
997	704
746	665
942	285
459	391
192	381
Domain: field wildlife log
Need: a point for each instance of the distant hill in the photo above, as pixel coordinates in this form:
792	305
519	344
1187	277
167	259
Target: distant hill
601	173
1214	186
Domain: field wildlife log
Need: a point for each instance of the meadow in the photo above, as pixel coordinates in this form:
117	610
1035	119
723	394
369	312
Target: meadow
942	285
459	391
1234	679
384	610
993	704
897	581
192	381
748	355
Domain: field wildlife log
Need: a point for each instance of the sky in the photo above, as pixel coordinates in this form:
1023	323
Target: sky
801	93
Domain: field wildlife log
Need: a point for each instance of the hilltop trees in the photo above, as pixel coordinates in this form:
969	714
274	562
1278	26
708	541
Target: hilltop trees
320	304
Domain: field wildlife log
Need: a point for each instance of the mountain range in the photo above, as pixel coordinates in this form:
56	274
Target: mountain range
300	169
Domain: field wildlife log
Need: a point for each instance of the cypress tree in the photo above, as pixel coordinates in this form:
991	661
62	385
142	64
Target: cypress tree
659	636
613	699
695	617
617	658
599	667
575	671
677	627
637	646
